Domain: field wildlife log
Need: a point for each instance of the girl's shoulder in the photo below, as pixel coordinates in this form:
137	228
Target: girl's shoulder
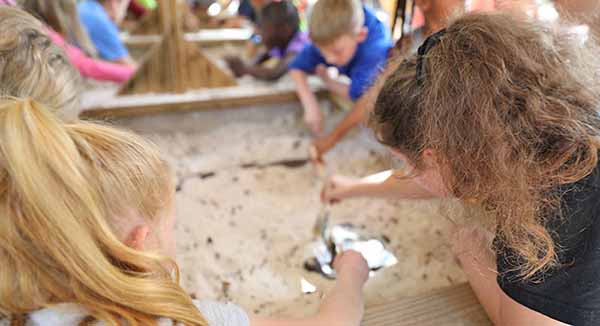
215	313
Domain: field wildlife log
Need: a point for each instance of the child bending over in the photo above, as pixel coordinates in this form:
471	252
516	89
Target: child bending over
281	35
87	233
502	112
345	34
435	14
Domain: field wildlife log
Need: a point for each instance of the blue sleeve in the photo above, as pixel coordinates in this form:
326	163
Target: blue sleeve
104	34
307	60
365	72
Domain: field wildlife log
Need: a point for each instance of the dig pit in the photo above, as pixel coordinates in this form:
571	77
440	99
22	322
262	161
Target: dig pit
247	200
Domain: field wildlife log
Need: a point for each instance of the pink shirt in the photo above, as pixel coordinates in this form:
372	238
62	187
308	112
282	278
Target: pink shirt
8	2
89	67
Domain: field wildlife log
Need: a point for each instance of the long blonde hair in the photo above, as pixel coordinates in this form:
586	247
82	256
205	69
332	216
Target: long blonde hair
63	17
62	188
31	66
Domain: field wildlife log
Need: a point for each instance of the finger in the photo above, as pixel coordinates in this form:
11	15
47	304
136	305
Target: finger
337	260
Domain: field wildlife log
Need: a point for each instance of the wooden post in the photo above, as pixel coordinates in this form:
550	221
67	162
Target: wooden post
174	65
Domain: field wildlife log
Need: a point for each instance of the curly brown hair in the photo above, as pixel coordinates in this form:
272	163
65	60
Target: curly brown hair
510	107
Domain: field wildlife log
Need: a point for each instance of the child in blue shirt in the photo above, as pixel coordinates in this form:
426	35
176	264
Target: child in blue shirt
346	35
100	18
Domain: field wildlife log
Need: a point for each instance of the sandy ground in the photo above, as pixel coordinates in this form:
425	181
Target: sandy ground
244	230
244	227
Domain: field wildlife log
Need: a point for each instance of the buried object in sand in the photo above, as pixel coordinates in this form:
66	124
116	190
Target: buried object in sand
339	238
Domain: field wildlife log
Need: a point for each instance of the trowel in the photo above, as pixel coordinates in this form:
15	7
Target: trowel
333	239
322	222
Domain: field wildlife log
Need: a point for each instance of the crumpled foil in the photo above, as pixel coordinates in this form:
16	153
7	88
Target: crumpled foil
339	238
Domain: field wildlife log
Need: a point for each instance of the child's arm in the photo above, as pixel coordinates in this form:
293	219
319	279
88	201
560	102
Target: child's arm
387	184
344	304
271	74
359	113
313	116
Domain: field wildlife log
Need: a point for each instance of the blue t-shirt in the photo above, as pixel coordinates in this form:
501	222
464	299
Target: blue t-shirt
364	67
102	31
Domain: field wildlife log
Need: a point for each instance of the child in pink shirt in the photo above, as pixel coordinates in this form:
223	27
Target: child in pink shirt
89	67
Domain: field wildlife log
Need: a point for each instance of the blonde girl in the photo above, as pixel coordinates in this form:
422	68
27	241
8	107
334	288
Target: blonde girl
86	232
31	65
502	112
86	227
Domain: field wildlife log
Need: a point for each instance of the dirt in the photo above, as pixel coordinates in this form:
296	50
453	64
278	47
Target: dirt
247	200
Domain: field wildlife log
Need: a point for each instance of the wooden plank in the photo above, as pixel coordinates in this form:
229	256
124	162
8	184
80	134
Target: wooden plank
453	306
100	104
219	35
203	38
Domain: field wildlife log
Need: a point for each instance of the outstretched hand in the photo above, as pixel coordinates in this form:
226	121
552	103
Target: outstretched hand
338	187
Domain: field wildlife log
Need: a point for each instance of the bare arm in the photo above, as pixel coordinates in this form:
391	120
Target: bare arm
312	112
270	74
307	97
261	58
344	304
387	184
479	264
359	113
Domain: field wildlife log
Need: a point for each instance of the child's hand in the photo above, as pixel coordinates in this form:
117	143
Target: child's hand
237	66
352	265
337	188
321	71
313	117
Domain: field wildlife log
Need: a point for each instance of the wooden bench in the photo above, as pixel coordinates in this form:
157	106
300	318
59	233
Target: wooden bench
452	306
